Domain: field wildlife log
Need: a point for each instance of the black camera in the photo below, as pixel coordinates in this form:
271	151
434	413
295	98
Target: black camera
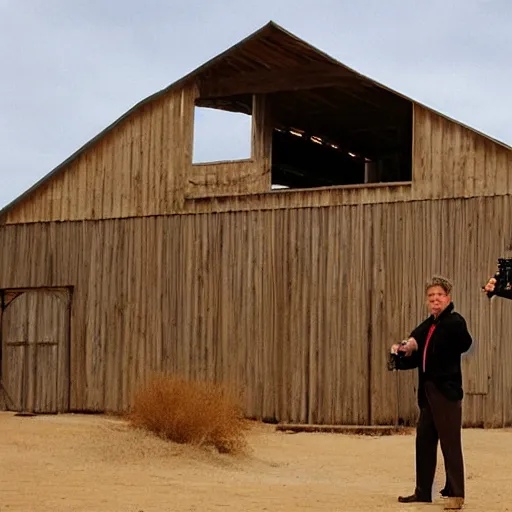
503	277
394	360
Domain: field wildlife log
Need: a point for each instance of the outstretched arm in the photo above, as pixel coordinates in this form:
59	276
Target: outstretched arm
491	287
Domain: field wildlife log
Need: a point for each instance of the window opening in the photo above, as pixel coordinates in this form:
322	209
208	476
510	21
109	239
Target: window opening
221	135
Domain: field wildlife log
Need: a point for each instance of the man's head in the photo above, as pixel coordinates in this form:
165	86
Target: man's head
438	291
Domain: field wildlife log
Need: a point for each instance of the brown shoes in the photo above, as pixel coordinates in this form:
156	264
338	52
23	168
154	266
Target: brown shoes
454	503
450	502
413	498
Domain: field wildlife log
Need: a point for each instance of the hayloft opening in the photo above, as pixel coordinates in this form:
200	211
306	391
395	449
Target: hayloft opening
335	143
327	128
221	135
301	160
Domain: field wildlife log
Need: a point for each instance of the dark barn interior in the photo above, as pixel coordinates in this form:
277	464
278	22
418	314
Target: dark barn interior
336	135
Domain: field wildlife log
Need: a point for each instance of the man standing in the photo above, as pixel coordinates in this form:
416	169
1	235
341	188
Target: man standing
435	347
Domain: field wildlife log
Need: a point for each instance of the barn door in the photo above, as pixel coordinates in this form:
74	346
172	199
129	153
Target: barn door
35	349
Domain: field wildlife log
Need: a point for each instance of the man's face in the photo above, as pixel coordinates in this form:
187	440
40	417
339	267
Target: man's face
437	299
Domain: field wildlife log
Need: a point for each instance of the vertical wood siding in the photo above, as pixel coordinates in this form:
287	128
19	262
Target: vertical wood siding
295	308
450	160
137	169
226	179
143	167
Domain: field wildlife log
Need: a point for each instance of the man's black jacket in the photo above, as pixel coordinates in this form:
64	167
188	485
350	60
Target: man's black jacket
449	341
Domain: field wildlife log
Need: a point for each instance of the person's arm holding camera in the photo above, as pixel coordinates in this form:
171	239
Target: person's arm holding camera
490	287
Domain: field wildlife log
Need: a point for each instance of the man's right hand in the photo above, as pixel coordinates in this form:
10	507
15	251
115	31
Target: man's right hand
407	347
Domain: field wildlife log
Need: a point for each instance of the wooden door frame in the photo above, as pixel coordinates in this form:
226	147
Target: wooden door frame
3	306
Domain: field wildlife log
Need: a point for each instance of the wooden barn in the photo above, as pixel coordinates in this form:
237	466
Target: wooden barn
287	274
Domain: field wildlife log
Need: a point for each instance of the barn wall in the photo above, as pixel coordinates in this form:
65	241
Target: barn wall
296	308
225	179
136	169
450	160
224	296
143	167
456	238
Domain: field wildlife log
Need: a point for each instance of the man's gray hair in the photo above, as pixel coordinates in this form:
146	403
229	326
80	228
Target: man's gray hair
441	281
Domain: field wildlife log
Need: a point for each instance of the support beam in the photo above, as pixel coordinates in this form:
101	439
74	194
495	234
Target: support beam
355	430
339	134
294	79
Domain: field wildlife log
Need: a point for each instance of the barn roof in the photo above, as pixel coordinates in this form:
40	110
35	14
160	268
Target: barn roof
272	60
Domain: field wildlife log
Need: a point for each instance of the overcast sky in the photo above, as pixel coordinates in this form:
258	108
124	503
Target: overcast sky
71	67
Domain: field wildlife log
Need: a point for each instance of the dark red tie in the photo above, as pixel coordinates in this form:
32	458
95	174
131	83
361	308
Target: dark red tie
431	330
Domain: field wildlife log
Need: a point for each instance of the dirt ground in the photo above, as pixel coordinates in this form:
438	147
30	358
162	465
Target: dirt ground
78	463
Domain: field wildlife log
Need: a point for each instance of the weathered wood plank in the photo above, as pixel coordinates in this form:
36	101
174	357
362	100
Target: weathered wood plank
294	308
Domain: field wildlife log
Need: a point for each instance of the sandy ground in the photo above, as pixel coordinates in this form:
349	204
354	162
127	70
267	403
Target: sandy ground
78	463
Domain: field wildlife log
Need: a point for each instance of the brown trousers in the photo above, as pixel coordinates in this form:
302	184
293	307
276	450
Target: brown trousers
440	420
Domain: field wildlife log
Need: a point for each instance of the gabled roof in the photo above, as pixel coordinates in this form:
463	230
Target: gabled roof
271	48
